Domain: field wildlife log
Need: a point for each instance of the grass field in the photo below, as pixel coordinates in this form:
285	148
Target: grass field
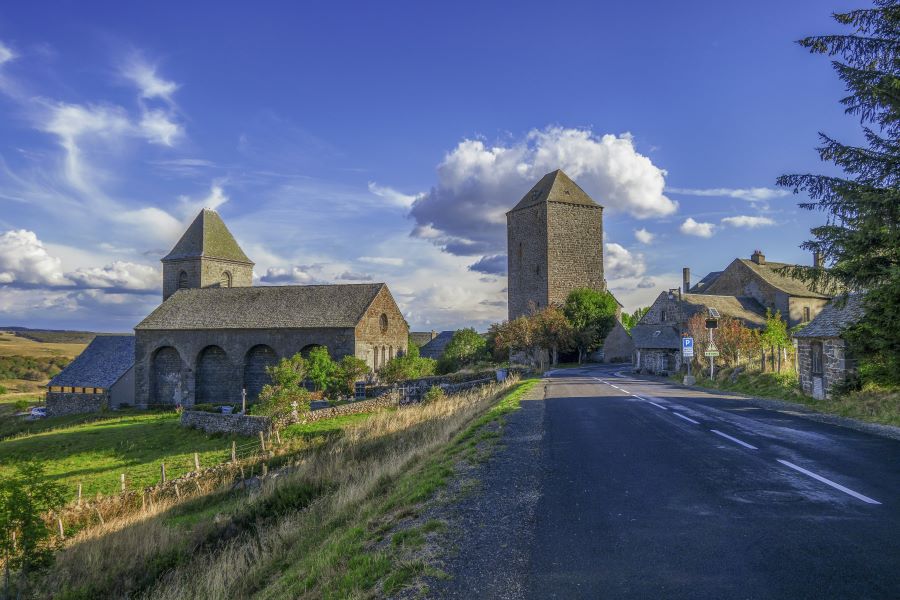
13	345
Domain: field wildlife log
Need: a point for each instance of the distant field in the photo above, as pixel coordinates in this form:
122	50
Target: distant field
26	382
14	345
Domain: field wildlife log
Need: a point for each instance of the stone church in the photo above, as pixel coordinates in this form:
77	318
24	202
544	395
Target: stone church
215	333
554	239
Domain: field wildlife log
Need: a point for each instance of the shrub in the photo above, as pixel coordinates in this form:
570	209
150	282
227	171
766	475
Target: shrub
286	391
434	393
349	370
3	390
320	368
465	348
401	368
20	404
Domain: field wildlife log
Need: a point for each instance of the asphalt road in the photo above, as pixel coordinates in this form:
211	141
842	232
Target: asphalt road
615	487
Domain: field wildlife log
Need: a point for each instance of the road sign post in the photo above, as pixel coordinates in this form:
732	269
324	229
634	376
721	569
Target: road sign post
687	352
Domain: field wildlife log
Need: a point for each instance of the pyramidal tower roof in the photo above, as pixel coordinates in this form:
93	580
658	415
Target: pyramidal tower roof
208	237
556	186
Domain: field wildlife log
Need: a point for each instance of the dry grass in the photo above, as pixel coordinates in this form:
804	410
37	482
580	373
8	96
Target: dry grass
13	345
230	543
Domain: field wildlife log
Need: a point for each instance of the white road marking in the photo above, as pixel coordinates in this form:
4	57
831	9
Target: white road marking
686	418
656	405
734	439
833	484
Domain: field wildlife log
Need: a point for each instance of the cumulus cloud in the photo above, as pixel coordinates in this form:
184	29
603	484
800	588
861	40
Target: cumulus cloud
25	261
393	196
620	263
747	221
644	236
692	227
120	275
353	276
495	264
144	76
753	194
382	260
464	213
299	274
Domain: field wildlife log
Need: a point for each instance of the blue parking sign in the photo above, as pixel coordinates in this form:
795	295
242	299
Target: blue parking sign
687	346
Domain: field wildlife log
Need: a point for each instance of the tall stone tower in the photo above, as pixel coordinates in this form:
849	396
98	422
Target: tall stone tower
207	255
554	241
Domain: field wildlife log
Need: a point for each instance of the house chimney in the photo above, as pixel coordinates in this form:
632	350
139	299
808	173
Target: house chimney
686	279
817	259
433	334
758	257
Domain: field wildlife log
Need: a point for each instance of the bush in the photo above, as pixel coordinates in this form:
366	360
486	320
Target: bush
3	390
401	368
465	348
349	370
320	368
20	404
434	393
286	392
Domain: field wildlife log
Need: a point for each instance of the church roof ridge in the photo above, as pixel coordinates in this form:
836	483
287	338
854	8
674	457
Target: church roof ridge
557	187
208	237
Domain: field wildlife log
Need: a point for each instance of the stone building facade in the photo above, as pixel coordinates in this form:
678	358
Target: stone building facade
822	357
554	244
101	377
211	339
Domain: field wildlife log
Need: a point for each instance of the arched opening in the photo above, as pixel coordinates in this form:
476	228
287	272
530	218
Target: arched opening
213	376
166	377
225	280
390	353
305	350
383	322
383	355
255	376
183	280
375	365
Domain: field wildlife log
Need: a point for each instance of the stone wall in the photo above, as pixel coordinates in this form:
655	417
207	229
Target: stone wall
204	273
665	310
181	379
836	367
209	422
740	280
574	249
797	304
371	338
526	242
59	403
618	346
657	362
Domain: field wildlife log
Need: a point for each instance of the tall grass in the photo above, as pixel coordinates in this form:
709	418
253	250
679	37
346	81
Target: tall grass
231	543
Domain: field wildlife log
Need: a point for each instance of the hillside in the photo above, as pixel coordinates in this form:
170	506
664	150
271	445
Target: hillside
27	364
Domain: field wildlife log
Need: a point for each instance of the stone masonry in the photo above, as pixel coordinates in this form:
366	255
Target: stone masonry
59	403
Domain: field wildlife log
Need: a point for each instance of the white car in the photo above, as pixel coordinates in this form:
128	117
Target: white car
38	412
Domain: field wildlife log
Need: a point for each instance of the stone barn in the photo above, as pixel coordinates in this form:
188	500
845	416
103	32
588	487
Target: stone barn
822	356
214	334
101	377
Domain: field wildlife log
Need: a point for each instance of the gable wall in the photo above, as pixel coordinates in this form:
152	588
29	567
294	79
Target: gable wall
369	335
739	280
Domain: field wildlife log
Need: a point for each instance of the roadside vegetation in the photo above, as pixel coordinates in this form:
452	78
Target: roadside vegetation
337	521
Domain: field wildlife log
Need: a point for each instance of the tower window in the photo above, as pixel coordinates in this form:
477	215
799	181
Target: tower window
383	322
225	280
806	314
182	280
520	252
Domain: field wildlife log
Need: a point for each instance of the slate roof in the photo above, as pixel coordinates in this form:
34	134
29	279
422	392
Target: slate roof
435	348
745	308
420	338
785	283
264	307
555	187
208	237
705	282
834	318
656	337
101	364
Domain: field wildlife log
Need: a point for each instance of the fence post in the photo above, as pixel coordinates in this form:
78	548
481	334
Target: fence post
122	480
79	495
196	462
278	437
62	533
177	492
233	451
265	470
97	510
162	471
143	502
262	441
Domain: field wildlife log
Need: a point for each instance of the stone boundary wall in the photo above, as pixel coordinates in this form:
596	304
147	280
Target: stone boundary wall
209	422
351	408
60	403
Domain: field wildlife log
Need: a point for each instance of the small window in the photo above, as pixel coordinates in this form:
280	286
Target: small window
79	390
383	321
806	314
55	388
66	389
225	280
391	352
663	316
816	358
182	280
520	252
98	390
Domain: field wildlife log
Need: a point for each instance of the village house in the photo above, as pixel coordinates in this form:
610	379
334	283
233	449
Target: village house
822	358
101	377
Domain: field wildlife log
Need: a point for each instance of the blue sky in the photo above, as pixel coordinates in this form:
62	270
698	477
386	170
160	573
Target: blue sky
384	141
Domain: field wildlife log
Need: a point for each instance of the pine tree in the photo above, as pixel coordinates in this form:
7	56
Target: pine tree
860	240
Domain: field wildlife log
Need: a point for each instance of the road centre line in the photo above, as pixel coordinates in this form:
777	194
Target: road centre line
826	481
734	439
686	418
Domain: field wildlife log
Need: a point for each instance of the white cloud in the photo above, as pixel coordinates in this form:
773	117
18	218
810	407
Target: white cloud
644	236
620	263
296	274
392	196
151	85
190	207
120	275
747	221
382	260
25	261
464	213
158	128
754	194
692	227
6	55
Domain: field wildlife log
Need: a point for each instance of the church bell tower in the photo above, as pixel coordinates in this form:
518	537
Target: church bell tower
206	256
